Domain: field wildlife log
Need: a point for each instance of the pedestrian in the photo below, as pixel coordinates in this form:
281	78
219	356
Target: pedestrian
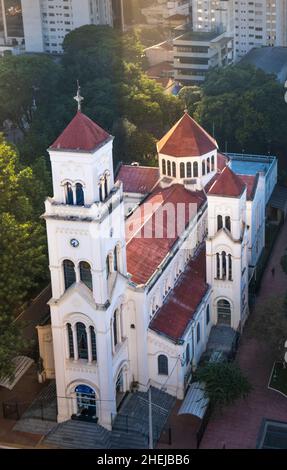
273	271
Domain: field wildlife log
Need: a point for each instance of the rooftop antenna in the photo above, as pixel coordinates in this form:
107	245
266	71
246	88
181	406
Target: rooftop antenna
78	97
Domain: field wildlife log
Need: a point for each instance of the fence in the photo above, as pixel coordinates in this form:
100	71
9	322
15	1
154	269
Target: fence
43	410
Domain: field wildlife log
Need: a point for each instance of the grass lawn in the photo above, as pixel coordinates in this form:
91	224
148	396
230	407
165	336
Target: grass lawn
278	380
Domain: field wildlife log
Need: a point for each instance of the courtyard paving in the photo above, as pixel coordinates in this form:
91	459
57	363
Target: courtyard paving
238	426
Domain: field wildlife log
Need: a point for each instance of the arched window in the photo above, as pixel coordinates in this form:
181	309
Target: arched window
163	167
198	333
85	274
108	266
69	194
93	343
223	254
107	176
174	169
207	315
219	222
187	355
203	167
69	273
230	267
80	195
182	170
115	328
195	170
228	223
102	196
188	170
168	168
208	165
217	266
212	163
223	312
162	362
70	341
82	341
115	258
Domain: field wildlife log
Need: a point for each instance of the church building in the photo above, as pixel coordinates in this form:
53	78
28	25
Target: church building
143	264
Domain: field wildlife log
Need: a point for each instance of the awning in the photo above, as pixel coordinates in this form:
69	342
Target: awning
195	402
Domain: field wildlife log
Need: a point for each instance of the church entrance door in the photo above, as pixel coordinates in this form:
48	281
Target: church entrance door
86	403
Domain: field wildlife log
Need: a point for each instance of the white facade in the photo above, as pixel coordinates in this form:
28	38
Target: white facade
46	22
101	321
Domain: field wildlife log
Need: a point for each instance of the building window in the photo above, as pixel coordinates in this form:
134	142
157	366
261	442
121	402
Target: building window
188	170
174	169
93	343
168	168
82	341
85	274
203	167
223	255
163	167
187	355
162	362
228	223
182	170
219	222
207	315
106	185
217	265
69	273
198	333
195	170
80	195
115	328
230	267
69	194
223	312
208	165
212	163
70	341
108	272
116	258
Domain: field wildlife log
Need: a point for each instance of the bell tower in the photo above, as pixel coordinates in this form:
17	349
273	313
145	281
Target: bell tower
227	249
87	256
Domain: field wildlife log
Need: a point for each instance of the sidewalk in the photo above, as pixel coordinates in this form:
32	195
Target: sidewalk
238	426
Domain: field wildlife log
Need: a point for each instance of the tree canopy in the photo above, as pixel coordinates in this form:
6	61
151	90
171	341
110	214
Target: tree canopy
224	383
22	249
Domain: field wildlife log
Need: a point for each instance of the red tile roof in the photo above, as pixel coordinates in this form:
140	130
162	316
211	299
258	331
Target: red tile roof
251	183
186	139
222	161
181	304
138	179
81	134
150	236
227	184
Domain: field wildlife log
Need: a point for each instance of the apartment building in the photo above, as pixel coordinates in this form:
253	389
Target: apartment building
253	23
11	22
196	52
46	22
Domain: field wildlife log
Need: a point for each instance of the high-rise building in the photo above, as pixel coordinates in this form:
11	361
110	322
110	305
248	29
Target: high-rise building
253	24
46	22
11	21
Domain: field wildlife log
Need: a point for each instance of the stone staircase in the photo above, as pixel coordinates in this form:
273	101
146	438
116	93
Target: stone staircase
78	435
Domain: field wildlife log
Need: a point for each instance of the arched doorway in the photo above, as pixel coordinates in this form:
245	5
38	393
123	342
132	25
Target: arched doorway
86	403
120	388
223	312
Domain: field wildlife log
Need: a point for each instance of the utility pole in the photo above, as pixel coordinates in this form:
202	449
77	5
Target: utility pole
122	15
150	419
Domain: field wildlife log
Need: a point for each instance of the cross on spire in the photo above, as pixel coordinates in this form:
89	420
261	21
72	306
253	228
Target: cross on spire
78	97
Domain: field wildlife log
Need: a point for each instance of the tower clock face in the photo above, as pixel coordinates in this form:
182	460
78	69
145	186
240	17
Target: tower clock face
74	243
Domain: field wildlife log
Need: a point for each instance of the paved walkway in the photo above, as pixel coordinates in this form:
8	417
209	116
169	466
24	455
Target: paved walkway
238	426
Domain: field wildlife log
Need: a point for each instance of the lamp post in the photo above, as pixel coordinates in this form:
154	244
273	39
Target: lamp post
150	418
